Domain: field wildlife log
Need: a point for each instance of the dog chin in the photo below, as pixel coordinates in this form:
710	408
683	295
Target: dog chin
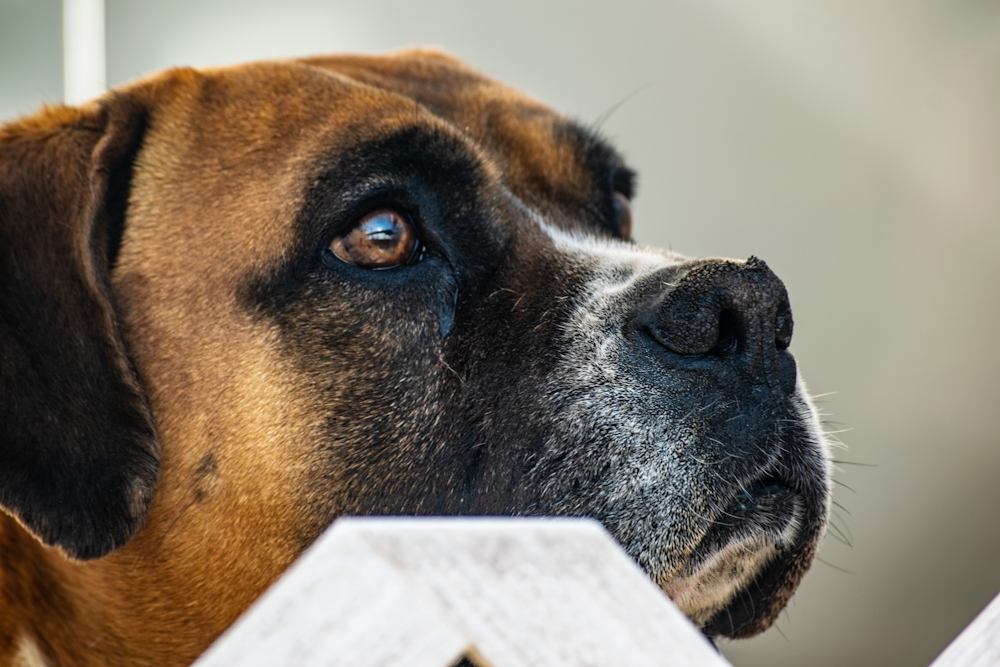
739	545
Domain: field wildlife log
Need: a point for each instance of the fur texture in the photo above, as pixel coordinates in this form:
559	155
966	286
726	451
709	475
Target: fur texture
172	320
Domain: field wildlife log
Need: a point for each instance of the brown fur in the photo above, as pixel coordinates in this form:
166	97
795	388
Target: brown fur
213	198
204	555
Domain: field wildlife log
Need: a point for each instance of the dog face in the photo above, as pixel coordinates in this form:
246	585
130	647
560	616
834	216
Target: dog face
376	285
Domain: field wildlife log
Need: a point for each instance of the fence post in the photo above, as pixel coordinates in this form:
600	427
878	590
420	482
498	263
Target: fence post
426	592
84	66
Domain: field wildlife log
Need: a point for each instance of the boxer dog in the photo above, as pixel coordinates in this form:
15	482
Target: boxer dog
238	303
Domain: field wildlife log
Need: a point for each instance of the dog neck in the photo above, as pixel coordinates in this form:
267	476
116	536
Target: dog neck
56	611
49	614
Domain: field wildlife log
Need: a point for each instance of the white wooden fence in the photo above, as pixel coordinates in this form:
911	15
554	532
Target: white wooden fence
426	592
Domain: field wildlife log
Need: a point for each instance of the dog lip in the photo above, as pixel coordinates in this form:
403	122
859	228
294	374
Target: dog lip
767	506
768	485
758	528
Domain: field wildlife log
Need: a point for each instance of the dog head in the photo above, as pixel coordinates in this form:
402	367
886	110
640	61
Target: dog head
285	292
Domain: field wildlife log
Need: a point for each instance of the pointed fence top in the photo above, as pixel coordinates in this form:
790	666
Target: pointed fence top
426	592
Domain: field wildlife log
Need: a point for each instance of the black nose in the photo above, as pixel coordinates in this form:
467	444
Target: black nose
733	310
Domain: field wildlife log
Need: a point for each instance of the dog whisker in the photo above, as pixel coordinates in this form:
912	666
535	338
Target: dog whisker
835	567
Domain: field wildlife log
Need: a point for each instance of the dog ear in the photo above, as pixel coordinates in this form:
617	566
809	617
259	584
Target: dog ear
79	456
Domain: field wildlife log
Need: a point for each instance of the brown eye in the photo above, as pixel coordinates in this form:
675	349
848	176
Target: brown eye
382	239
623	215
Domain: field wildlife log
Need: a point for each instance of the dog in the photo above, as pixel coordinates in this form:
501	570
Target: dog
238	303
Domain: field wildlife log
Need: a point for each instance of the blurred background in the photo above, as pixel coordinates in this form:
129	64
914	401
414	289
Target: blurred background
852	144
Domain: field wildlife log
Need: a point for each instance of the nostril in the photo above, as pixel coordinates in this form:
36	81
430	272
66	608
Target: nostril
722	309
730	333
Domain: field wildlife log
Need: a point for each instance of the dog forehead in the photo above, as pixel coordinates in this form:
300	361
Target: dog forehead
231	152
525	133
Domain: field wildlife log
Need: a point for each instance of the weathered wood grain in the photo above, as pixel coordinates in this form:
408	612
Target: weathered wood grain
425	592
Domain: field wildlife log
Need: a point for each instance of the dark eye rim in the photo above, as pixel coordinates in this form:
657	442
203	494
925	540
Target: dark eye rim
411	217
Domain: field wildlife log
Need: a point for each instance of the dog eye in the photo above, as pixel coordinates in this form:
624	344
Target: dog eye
623	214
383	239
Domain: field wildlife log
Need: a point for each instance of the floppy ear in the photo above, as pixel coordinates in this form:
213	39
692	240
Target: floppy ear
79	456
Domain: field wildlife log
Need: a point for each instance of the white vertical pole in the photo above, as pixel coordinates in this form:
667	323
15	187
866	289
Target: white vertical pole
83	50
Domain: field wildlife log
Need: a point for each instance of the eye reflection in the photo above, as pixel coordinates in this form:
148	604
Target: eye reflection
383	239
